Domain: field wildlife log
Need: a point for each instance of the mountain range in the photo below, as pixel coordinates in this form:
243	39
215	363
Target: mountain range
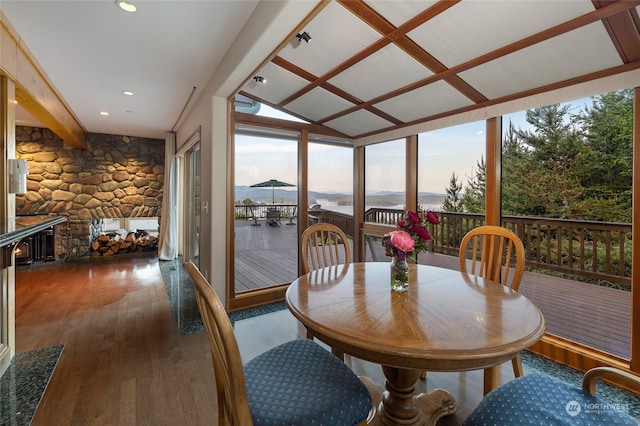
289	196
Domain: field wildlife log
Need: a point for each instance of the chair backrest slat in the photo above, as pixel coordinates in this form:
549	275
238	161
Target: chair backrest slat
493	251
324	244
233	405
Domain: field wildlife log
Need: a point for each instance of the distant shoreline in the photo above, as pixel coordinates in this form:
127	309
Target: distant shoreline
384	200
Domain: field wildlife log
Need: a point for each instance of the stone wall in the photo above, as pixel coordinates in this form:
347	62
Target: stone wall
116	176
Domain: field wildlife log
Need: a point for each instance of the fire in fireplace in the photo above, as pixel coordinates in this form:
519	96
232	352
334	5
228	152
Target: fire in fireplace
38	247
23	251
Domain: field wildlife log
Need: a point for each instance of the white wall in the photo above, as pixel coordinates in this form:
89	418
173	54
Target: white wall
272	24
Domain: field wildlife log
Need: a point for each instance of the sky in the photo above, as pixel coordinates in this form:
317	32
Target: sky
455	149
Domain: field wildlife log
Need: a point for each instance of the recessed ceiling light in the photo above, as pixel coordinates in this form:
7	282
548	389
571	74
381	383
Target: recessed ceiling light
126	6
104	113
128	93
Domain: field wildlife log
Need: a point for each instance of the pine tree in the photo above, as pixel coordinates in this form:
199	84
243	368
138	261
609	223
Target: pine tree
452	200
607	172
550	157
474	192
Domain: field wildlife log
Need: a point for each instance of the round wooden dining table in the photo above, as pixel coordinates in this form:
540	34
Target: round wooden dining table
445	321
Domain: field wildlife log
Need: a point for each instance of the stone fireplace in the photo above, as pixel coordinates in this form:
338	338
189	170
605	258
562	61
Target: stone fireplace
36	247
116	178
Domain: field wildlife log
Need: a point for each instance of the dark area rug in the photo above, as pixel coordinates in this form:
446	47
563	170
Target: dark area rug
626	401
24	383
183	303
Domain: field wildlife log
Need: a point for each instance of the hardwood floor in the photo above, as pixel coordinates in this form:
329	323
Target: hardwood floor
124	361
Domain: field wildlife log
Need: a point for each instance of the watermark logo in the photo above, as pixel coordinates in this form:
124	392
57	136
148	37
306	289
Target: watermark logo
573	408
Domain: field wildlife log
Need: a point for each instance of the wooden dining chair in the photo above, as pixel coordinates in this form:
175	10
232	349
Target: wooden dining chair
538	398
494	253
497	254
324	244
295	383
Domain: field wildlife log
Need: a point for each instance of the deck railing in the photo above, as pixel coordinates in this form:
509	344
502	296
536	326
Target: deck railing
596	251
259	211
599	251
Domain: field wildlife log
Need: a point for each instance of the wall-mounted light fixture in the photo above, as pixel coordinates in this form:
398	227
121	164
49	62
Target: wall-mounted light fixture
304	36
260	79
18	171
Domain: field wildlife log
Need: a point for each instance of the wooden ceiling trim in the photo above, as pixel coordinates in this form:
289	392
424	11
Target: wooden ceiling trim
272	105
400	39
450	75
398	35
278	123
578	22
34	91
292	68
329	87
591	17
391	34
515	96
623	31
389	95
377	112
424	58
366	106
322	80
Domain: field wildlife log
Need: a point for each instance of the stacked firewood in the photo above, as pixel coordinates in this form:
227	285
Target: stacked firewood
119	242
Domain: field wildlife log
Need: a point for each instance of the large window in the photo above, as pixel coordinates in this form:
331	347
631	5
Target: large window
451	168
567	178
330	185
266	174
385	190
451	177
385	169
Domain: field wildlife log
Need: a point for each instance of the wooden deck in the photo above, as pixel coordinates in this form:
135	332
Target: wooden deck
595	316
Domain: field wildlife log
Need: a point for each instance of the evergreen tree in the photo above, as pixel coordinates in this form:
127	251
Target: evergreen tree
516	166
607	172
452	200
474	192
572	166
550	156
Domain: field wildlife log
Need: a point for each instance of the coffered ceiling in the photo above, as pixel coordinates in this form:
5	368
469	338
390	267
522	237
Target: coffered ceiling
372	66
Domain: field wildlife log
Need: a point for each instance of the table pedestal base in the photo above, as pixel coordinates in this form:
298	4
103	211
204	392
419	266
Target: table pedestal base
400	405
435	405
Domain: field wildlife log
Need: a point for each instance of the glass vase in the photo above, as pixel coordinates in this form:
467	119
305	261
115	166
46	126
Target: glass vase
399	274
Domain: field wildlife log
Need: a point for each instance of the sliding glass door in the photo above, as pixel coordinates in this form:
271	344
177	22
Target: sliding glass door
191	202
265	211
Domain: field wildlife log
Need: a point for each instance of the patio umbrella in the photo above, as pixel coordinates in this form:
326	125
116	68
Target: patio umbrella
273	183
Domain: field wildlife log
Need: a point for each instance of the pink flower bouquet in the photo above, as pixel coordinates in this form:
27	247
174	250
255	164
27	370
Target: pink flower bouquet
412	236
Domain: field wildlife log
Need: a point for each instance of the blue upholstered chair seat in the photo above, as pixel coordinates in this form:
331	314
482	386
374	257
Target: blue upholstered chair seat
314	377
537	399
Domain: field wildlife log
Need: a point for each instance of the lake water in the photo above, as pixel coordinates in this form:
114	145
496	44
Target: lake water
333	206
